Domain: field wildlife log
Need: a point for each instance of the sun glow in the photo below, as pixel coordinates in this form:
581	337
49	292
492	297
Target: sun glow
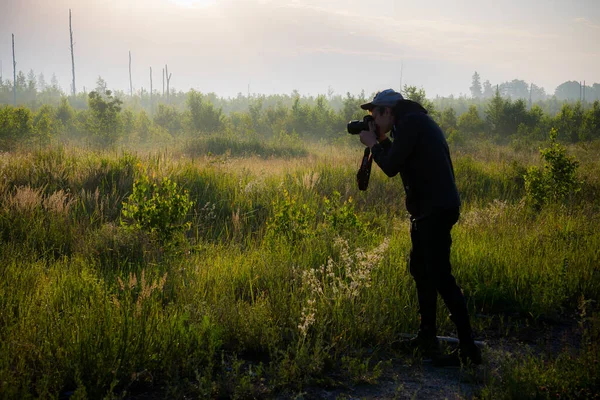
194	3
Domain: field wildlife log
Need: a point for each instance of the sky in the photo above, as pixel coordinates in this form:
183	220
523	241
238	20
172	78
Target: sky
277	46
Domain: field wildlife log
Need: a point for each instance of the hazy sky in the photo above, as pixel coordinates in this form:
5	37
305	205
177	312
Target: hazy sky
309	45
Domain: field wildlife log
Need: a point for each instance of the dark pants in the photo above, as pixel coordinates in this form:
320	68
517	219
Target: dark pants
430	266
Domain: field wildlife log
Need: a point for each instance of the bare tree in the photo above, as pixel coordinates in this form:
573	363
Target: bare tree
130	81
168	75
163	83
151	104
72	56
14	72
530	95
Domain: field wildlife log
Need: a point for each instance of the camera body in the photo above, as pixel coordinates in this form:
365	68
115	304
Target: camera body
357	126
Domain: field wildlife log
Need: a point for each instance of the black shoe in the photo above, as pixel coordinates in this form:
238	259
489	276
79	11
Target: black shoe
426	345
465	355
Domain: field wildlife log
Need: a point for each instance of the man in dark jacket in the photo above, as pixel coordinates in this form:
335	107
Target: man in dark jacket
420	154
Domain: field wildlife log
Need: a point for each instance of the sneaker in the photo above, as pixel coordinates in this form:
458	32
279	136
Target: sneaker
426	345
464	355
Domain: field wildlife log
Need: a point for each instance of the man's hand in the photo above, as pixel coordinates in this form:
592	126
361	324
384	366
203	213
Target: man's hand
369	138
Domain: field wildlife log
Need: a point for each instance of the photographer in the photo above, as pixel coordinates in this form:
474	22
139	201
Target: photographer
419	153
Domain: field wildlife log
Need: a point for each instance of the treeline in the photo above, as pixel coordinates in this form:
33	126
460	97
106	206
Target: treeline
107	121
503	119
519	89
34	91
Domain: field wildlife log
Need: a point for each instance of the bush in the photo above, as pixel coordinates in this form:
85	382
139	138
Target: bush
291	219
16	125
157	208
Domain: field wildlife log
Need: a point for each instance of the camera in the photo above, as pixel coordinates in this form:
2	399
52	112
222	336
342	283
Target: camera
357	126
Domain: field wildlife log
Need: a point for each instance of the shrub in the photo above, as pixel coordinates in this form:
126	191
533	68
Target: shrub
16	125
342	216
158	208
291	219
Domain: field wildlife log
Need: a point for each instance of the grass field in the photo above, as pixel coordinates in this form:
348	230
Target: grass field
280	274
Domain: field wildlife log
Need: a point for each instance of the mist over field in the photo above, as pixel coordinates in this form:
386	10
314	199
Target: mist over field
204	236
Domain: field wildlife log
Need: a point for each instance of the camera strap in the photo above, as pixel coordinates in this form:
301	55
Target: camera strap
364	172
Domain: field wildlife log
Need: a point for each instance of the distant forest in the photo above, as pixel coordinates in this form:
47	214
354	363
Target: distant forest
45	114
33	91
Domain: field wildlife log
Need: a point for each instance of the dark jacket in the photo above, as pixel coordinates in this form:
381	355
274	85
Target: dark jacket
420	154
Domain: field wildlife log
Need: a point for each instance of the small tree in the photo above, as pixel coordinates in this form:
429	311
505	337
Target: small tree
168	118
557	180
204	117
103	120
476	86
494	113
470	122
46	125
448	121
418	95
488	92
591	123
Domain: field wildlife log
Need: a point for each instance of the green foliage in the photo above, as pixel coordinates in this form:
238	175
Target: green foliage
159	208
104	122
291	218
504	116
557	180
418	95
203	115
284	145
571	374
169	119
470	122
341	216
16	125
64	112
568	122
99	309
143	127
46	125
361	370
448	121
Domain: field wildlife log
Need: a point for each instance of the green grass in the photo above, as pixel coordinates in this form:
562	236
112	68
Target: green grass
270	288
283	146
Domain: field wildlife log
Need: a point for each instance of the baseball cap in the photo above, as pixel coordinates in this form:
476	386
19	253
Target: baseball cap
388	98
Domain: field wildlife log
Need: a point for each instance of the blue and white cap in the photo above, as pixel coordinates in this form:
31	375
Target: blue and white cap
388	98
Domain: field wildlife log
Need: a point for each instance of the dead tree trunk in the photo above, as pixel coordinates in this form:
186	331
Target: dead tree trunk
168	75
130	81
530	95
14	72
163	95
72	55
151	103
